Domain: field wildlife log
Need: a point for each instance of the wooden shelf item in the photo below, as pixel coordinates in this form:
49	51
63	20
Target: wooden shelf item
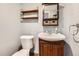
29	11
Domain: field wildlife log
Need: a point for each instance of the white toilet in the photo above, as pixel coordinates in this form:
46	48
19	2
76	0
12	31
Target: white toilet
27	44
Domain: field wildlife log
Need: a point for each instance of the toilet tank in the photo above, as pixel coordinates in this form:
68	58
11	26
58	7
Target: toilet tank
27	41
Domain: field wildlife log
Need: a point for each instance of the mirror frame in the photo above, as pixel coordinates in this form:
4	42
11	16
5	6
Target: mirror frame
46	4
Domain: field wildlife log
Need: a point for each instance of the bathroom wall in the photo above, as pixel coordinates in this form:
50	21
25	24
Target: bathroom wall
9	28
70	16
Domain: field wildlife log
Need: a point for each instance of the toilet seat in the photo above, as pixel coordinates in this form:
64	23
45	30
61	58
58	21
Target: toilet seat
22	52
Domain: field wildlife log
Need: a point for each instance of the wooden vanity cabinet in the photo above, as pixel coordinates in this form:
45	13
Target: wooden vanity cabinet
51	48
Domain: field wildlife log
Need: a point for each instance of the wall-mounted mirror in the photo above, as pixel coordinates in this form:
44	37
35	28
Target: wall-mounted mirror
50	14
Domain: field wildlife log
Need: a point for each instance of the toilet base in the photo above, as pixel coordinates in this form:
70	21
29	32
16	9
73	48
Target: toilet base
22	52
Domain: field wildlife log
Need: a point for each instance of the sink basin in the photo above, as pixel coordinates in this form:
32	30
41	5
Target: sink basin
51	37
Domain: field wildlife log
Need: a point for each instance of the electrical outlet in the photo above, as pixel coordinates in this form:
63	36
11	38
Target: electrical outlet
77	25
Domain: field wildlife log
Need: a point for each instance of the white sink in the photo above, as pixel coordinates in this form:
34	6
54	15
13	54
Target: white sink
51	37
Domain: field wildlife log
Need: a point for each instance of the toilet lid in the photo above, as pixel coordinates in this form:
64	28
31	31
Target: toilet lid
22	52
27	37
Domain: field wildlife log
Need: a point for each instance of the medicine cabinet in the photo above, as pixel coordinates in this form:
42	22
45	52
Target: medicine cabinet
50	14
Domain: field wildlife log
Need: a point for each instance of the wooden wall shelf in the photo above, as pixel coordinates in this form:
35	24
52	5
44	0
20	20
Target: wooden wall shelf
29	11
25	13
30	18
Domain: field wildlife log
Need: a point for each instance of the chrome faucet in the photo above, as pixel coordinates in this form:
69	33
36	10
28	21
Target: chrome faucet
49	31
56	30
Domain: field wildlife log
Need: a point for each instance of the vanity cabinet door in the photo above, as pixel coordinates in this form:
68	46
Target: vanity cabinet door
51	48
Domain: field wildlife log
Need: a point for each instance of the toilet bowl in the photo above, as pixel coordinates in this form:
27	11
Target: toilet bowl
27	44
22	52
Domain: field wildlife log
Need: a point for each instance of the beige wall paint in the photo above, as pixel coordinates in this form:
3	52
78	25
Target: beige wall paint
9	28
70	17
